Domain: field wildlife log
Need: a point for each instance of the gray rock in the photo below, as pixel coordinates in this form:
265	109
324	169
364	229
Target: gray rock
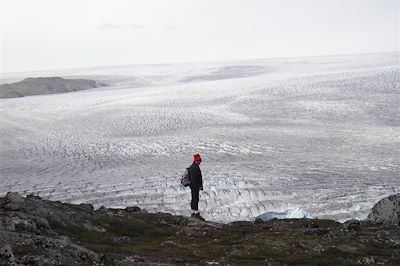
122	240
16	224
6	255
132	209
86	207
12	201
318	248
25	226
32	196
316	231
108	260
352	225
152	264
387	211
64	240
368	260
93	228
179	220
41	222
85	254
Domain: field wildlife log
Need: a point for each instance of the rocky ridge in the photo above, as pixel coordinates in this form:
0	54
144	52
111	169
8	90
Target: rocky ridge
46	85
387	211
34	231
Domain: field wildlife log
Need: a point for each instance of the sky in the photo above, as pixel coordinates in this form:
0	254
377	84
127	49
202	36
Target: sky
60	34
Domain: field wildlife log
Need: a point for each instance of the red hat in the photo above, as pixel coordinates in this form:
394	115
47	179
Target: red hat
197	158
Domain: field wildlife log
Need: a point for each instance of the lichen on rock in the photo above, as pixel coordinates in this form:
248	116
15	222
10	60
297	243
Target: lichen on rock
386	211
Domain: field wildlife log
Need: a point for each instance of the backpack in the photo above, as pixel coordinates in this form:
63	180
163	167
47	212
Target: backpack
185	181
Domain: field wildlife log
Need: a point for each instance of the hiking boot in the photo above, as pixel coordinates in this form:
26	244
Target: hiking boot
199	217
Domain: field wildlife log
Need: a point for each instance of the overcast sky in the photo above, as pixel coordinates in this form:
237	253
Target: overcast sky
57	34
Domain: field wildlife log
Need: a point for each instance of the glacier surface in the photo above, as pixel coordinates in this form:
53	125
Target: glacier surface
317	133
291	214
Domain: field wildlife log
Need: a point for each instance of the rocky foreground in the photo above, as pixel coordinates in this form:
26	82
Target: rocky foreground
34	231
46	85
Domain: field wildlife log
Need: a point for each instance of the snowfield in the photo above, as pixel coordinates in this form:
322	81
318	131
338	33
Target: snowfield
316	134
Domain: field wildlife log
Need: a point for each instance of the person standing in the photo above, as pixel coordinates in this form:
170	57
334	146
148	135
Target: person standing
196	184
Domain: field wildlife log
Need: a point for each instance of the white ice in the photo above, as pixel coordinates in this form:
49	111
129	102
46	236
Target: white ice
317	133
289	214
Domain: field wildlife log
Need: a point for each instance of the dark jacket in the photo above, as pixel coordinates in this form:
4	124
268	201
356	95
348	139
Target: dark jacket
196	180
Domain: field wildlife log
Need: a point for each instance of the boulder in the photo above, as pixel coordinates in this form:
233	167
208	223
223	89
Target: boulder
132	209
41	223
19	225
122	240
6	255
386	211
352	225
12	201
86	207
93	228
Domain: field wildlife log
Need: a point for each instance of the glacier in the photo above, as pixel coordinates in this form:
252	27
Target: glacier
297	213
317	133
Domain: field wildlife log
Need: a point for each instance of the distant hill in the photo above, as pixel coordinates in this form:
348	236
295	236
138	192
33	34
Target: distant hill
47	85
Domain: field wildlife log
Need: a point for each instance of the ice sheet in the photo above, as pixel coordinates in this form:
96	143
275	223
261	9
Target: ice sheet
317	133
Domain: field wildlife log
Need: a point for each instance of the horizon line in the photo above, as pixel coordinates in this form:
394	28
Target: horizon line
196	62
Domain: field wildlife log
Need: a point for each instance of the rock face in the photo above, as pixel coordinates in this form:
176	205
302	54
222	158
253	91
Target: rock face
386	211
40	232
48	85
12	201
6	255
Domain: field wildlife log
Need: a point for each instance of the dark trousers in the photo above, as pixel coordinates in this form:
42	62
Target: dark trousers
194	204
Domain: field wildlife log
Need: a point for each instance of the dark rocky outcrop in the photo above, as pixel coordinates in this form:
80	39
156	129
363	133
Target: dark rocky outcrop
386	211
40	232
47	85
12	201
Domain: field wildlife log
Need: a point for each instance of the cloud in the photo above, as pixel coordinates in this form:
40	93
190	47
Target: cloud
107	26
